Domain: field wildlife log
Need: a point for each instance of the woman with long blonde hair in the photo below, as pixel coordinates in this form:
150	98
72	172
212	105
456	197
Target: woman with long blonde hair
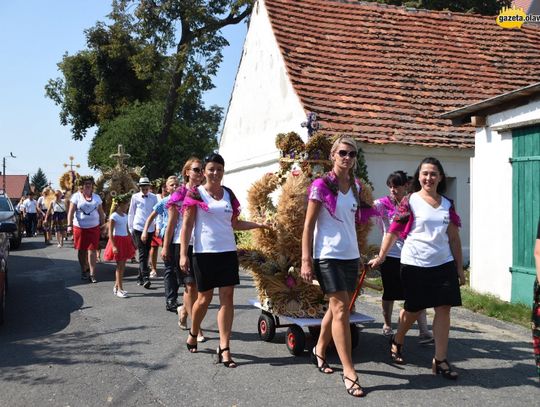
330	254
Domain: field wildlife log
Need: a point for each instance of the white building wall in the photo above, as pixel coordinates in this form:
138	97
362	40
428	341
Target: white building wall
383	160
491	212
263	104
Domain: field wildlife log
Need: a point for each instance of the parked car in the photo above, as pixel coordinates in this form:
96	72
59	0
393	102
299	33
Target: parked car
9	214
6	228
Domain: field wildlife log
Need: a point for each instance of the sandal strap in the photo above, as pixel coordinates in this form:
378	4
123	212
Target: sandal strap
354	387
190	334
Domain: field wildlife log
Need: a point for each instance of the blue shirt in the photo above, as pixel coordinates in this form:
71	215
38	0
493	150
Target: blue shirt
163	215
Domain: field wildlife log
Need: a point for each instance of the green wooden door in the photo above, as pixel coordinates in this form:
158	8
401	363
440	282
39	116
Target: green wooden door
526	209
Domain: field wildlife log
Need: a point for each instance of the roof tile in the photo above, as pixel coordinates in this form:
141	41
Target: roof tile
383	74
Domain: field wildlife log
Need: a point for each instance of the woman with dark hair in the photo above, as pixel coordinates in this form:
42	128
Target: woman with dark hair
397	183
431	260
89	218
330	252
211	213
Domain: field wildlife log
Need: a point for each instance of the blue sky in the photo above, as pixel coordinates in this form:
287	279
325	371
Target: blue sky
35	35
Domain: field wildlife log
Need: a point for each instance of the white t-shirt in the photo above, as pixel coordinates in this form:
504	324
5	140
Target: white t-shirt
41	203
333	238
120	224
384	221
30	205
59	207
86	214
427	243
213	230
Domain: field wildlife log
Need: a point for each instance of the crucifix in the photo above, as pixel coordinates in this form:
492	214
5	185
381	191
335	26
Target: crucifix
71	165
120	156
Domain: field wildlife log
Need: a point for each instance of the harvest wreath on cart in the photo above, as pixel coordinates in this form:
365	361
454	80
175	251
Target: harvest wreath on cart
274	256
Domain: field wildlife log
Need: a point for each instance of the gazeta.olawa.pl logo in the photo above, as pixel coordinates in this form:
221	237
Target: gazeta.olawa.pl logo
514	17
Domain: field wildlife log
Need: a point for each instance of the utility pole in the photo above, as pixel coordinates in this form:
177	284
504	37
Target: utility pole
4	170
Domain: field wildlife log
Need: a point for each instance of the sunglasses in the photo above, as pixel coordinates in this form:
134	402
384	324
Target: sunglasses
196	170
343	153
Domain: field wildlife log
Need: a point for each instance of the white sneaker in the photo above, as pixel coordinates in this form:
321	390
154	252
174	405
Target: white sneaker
114	290
153	274
121	294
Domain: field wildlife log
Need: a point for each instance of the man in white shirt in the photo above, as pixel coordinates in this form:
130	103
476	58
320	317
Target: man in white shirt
140	208
30	214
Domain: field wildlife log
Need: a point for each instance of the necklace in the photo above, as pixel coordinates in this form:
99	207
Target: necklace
216	195
433	201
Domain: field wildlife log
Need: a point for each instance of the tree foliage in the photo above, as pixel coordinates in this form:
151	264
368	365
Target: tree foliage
154	54
39	180
114	71
198	46
486	7
138	127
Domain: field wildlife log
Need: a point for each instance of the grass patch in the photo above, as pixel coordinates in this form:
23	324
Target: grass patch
492	306
485	304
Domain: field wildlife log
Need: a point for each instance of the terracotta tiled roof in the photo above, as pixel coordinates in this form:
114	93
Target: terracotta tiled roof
384	74
524	4
14	185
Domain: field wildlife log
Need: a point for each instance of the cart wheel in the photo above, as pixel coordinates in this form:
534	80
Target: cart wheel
314	331
266	327
296	340
355	337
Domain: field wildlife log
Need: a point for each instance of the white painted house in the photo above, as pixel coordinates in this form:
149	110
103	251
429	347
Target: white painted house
505	191
381	74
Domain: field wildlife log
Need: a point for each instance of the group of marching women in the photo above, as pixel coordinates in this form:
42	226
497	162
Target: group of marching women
420	256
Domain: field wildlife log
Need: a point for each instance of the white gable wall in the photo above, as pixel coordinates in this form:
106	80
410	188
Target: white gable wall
263	104
491	211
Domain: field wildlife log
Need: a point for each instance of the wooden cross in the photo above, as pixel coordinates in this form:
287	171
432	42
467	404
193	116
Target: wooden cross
120	156
71	165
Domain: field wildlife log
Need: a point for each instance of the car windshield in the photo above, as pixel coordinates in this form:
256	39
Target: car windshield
4	205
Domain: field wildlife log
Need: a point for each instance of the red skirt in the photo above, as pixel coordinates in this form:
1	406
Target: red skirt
126	249
156	241
86	239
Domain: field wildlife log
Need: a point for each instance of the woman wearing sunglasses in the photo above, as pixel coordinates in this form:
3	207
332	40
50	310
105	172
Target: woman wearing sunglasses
211	211
330	254
192	175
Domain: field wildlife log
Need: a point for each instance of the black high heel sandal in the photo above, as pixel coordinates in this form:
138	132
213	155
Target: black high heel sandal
396	356
352	390
227	363
190	347
447	373
324	366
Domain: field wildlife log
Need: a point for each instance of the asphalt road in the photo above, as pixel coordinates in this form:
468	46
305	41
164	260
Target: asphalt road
70	343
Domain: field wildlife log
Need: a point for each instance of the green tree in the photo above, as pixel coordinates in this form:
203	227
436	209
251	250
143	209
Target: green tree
138	127
198	46
143	59
486	7
116	70
39	180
